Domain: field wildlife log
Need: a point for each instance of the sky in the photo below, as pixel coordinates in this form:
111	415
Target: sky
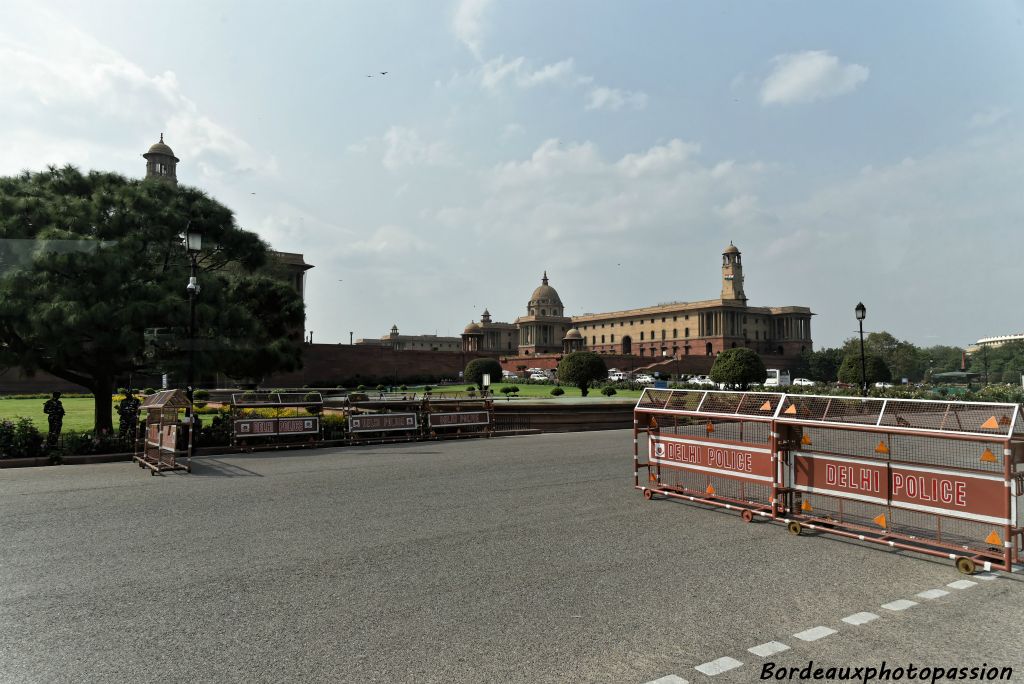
869	151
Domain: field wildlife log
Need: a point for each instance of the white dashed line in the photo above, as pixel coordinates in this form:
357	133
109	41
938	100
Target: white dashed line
900	604
718	666
962	584
933	594
668	679
987	576
769	649
859	618
814	633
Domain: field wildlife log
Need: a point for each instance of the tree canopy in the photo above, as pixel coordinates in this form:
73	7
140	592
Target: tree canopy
477	368
875	369
581	369
90	261
738	368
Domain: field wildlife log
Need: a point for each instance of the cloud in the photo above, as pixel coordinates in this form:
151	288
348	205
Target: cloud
468	24
404	147
493	73
808	76
63	81
987	117
614	99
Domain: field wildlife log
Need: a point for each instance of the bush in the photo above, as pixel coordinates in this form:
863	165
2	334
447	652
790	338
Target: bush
403	388
361	388
313	396
217	433
507	390
148	391
739	368
20	438
201	394
477	368
380	388
581	369
557	391
608	391
84	443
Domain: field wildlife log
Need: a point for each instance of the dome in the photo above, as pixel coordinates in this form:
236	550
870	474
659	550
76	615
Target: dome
545	294
472	328
731	249
160	148
573	334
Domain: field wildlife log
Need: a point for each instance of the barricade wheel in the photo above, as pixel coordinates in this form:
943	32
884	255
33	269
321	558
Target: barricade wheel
648	494
795	528
747	516
965	565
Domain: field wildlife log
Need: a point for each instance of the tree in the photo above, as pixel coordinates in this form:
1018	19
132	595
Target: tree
477	368
824	364
739	367
876	370
92	261
580	369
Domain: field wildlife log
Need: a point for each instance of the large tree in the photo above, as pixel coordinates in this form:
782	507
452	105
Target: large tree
738	368
581	369
91	261
874	366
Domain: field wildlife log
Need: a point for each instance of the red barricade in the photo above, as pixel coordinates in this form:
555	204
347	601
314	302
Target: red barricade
936	477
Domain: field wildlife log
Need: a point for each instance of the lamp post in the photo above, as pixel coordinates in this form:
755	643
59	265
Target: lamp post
862	313
193	245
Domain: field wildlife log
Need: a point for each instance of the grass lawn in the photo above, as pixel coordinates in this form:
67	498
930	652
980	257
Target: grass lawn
78	412
537	391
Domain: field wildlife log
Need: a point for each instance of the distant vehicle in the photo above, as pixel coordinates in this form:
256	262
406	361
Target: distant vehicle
701	380
534	370
644	379
803	382
539	376
884	385
778	378
617	375
508	375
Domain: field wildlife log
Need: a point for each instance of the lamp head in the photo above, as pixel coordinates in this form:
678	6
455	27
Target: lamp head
861	311
193	241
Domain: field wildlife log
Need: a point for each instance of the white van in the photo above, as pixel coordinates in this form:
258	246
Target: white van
778	378
615	375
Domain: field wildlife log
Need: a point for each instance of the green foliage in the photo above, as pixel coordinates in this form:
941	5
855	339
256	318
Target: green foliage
361	388
201	394
84	443
313	396
148	391
738	368
581	369
477	368
822	365
403	388
608	391
875	368
20	438
557	391
380	388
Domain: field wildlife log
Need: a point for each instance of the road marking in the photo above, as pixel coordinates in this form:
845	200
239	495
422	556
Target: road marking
987	576
859	618
668	679
961	584
814	633
933	594
900	604
771	648
718	666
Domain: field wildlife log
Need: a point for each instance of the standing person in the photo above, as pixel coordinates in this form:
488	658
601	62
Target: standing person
54	411
128	410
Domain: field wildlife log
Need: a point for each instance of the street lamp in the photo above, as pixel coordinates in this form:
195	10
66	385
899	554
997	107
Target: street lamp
862	313
193	245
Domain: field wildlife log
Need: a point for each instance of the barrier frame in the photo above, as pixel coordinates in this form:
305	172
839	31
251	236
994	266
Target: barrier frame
158	449
886	418
287	407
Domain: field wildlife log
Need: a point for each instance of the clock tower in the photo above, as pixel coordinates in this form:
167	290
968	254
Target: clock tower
732	275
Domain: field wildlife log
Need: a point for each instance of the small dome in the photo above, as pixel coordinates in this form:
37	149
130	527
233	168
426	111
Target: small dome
731	249
473	327
545	294
573	334
160	148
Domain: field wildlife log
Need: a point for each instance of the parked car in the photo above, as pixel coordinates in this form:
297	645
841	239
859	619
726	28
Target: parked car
508	375
803	382
884	385
701	380
644	379
539	376
617	376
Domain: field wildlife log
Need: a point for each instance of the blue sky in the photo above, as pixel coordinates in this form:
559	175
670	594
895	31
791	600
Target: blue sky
854	151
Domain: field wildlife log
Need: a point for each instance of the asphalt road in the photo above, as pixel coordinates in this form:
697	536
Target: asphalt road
524	559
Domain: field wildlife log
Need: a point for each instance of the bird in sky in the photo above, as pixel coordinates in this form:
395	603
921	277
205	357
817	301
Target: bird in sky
383	73
369	75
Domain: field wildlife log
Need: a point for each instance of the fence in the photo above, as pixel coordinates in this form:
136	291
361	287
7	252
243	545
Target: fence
936	477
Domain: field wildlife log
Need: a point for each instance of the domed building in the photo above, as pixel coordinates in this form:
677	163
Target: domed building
490	336
545	325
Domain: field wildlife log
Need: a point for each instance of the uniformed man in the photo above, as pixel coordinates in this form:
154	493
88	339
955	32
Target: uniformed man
54	411
128	410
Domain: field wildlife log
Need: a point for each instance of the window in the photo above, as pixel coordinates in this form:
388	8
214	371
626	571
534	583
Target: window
662	319
675	333
613	339
652	334
593	340
663	331
686	317
674	318
543	312
602	339
686	332
622	323
641	335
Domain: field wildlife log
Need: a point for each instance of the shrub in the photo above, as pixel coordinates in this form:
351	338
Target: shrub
20	438
89	443
581	369
201	394
403	388
507	390
148	391
313	396
739	367
380	388
557	391
608	391
477	368
217	433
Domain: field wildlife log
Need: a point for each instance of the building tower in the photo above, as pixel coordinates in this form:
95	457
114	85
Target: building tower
542	330
732	275
161	162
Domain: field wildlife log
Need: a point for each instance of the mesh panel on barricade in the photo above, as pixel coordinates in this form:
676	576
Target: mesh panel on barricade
753	404
697	484
747	431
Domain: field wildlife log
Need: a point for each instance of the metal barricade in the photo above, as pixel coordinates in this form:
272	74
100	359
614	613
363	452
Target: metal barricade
937	477
454	418
167	444
278	418
380	419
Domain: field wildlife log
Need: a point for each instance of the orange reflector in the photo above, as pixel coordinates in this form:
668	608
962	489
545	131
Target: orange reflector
766	406
791	410
654	422
988	457
710	426
990	424
652	477
806	440
994	539
881	448
710	490
806	506
880	520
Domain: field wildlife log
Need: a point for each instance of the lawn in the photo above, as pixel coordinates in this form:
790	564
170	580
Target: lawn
78	412
537	391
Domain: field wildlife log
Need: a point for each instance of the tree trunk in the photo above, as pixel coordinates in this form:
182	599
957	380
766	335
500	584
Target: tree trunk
102	389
